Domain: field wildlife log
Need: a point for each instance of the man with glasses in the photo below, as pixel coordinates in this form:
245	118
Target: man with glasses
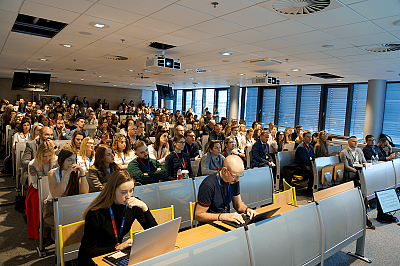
261	156
179	130
218	190
132	135
191	146
371	150
216	134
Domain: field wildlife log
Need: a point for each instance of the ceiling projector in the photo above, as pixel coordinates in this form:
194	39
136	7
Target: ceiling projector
161	61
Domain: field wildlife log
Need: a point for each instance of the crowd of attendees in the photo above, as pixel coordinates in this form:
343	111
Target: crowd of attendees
86	162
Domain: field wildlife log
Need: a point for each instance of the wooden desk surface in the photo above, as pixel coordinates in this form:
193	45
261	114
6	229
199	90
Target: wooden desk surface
207	231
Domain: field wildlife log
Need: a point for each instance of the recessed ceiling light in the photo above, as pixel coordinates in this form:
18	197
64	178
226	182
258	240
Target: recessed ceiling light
85	33
338	80
43	59
396	23
295	69
115	85
328	45
288	82
131	70
82	79
98	24
154	82
241	74
190	78
67	45
70	81
100	76
226	53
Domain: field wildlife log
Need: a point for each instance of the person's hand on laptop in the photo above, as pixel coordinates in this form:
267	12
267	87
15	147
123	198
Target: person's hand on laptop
138	203
126	244
232	217
251	213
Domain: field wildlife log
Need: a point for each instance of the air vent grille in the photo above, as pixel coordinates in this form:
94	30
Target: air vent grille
325	76
37	26
386	47
115	57
161	46
199	70
300	7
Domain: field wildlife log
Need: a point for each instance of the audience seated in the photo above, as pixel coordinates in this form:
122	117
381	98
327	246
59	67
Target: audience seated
66	180
141	133
208	128
353	158
261	156
240	143
321	147
272	135
303	156
101	170
160	148
44	161
132	135
128	122
213	160
86	153
216	134
123	154
144	169
23	131
249	137
178	159
191	147
75	143
372	151
296	133
59	130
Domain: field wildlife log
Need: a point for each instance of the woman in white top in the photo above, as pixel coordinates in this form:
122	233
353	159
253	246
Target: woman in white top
164	121
123	152
66	180
45	159
160	149
23	131
242	130
249	137
86	153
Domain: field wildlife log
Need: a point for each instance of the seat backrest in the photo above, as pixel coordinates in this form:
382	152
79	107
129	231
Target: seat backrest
197	182
160	215
336	149
327	169
43	185
204	141
195	167
281	159
329	192
396	166
248	156
338	167
284	197
70	234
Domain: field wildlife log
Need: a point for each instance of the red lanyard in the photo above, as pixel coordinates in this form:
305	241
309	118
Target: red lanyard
217	137
159	157
183	164
237	143
116	235
226	154
148	165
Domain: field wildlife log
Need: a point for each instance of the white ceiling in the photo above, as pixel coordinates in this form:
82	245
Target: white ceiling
248	29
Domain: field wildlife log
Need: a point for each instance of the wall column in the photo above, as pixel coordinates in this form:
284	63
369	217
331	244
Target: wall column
375	108
169	104
233	102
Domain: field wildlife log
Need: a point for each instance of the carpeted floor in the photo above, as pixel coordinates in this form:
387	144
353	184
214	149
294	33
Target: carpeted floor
382	245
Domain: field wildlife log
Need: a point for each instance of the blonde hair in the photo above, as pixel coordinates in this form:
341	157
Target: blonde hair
44	147
107	196
117	139
82	150
33	128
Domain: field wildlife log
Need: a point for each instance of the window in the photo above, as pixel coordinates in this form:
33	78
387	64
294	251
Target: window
178	100
287	106
188	100
336	110
222	103
268	105
250	111
391	123
209	101
309	107
358	106
147	97
155	99
198	102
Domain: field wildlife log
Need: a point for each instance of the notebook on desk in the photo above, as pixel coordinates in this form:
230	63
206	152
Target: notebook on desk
257	218
147	244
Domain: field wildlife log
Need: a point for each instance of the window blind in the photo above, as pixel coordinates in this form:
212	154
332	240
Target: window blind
358	106
309	107
336	110
391	122
268	105
287	106
250	108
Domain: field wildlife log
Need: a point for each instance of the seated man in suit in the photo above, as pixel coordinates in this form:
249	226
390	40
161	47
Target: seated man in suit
351	157
216	134
218	190
303	156
45	134
144	169
191	146
371	150
260	152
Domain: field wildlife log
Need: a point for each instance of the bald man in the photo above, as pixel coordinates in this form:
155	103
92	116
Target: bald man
218	190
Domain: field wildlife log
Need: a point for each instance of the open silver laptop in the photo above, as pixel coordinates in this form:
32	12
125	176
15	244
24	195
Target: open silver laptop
148	244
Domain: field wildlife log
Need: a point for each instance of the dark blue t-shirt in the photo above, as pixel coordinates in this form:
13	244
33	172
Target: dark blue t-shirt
216	195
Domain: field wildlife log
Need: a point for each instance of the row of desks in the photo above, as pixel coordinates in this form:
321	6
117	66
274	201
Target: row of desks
204	232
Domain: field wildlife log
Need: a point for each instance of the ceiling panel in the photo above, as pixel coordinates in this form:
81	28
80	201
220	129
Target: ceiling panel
113	14
247	48
218	27
10	5
140	33
285	28
346	52
192	34
371	39
274	44
71	5
171	39
387	23
253	16
249	36
380	9
222	42
309	37
83	21
330	18
356	29
224	6
48	12
137	6
156	25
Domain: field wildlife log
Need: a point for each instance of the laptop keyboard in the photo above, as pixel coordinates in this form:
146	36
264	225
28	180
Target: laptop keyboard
123	262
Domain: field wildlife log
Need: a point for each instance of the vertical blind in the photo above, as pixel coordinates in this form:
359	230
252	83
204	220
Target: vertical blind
391	122
287	106
309	107
222	107
268	105
198	101
178	102
209	100
188	103
250	108
155	99
336	110
358	106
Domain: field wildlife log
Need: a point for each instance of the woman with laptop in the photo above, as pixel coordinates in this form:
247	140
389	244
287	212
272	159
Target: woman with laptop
110	216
